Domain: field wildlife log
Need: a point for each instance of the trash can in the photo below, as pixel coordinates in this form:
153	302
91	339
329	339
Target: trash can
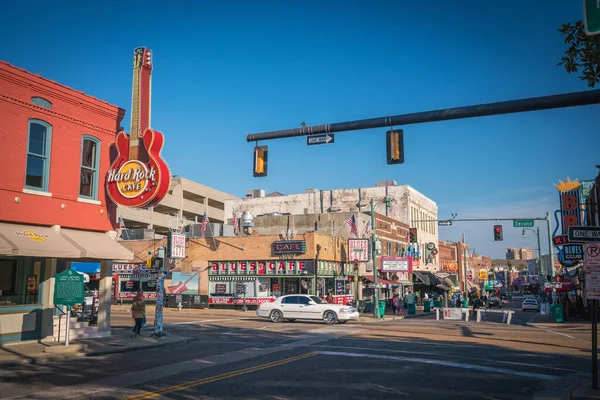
426	306
465	304
382	308
411	308
557	313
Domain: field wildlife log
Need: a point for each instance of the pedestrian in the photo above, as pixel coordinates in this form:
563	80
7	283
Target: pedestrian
394	297
399	309
330	297
138	312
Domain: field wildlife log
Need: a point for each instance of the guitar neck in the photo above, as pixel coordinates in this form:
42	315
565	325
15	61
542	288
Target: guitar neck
134	134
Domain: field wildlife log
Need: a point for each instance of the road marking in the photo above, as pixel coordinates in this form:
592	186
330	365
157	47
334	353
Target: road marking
211	379
561	334
447	355
444	363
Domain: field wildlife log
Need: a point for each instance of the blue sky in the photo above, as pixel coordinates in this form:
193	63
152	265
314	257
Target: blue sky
226	69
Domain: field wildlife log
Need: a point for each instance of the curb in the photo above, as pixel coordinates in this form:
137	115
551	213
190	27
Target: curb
43	360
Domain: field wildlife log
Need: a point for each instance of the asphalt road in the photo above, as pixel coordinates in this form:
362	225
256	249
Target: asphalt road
254	359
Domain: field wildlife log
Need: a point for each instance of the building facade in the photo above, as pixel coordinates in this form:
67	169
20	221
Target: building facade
408	207
522	253
185	199
55	143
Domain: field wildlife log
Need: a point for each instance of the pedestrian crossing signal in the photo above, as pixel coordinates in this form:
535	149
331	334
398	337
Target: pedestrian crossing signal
261	154
395	146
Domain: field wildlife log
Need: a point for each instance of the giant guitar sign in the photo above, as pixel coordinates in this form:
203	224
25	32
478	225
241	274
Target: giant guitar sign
139	177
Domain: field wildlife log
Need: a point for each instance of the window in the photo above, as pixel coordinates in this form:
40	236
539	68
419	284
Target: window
290	300
389	248
38	155
88	185
303	300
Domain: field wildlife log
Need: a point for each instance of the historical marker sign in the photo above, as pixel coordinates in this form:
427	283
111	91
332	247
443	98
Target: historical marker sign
320	139
68	288
579	234
522	223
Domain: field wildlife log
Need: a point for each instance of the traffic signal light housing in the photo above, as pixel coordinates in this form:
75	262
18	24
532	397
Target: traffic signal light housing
395	146
261	156
412	233
497	232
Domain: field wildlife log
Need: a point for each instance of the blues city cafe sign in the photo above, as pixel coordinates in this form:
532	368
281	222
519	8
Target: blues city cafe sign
289	247
271	267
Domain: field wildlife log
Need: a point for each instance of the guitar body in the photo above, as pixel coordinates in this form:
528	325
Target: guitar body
132	183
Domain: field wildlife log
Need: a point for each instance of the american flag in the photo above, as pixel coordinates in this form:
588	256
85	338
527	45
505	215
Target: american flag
121	227
234	221
204	221
368	228
353	228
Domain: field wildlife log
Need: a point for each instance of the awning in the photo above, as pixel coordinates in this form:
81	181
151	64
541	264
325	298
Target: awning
426	278
380	280
405	283
35	241
97	245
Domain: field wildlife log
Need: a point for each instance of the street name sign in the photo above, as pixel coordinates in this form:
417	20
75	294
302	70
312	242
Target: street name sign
445	223
68	288
326	138
581	234
591	17
522	223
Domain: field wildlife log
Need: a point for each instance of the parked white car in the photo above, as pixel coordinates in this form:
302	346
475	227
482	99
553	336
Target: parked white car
301	306
530	304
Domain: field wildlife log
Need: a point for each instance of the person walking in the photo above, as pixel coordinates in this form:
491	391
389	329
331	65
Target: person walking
138	312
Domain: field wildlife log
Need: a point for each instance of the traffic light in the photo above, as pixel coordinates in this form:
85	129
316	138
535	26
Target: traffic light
149	263
395	146
260	160
412	232
497	232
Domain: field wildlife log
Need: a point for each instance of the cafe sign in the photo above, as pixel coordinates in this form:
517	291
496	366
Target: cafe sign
271	267
289	247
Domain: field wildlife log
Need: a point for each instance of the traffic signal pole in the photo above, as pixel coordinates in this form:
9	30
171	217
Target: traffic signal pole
564	100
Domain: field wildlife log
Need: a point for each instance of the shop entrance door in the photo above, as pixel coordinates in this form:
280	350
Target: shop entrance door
291	285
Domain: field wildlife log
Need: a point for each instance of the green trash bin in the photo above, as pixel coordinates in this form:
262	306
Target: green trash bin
557	313
427	306
382	308
465	304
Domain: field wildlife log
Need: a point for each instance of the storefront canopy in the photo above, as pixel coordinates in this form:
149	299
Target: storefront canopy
426	278
380	280
54	242
97	245
35	241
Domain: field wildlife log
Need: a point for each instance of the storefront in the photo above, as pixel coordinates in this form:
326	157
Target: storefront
128	278
258	281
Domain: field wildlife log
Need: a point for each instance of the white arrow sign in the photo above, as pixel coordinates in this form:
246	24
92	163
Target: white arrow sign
320	139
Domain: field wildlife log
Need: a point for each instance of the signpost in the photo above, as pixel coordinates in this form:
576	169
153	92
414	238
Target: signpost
523	223
591	17
68	291
445	223
581	234
320	139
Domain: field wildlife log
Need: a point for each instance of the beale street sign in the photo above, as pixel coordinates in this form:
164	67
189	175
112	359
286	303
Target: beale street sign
579	234
289	247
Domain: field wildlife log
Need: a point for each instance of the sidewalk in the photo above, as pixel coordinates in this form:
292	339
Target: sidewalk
581	391
33	352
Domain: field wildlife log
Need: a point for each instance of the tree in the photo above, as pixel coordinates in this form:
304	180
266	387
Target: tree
583	53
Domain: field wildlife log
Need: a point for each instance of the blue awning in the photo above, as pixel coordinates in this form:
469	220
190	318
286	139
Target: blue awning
86	267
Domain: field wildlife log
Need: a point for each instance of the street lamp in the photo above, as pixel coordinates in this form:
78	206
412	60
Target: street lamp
538	242
388	204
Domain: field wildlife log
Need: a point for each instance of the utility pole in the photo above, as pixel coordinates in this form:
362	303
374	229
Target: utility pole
373	257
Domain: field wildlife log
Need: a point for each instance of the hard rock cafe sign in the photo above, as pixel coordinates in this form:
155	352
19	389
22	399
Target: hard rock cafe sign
139	177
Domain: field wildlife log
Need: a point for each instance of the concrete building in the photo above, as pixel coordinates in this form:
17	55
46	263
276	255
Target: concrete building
523	253
186	198
408	207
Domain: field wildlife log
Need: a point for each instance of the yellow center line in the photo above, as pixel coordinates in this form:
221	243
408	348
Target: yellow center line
211	379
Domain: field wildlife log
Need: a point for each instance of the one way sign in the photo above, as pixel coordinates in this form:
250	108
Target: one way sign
320	139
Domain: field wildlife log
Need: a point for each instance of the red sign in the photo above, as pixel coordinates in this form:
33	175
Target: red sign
139	177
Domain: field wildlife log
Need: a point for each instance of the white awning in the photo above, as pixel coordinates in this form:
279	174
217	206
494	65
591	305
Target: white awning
97	245
35	241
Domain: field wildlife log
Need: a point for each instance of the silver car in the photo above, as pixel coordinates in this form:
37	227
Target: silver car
530	304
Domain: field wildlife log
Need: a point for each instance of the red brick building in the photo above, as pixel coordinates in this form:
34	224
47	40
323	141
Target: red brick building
55	144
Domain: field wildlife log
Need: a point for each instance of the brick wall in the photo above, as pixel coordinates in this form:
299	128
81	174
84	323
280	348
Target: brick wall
72	115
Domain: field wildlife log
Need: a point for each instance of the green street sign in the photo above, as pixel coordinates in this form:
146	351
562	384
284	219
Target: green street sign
522	223
68	288
591	17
